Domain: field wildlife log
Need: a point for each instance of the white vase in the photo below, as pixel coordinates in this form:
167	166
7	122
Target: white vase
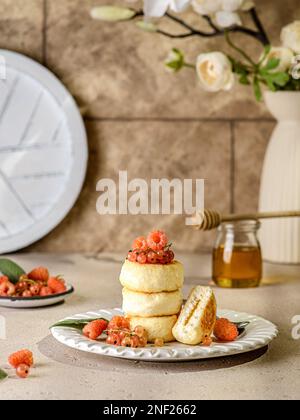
280	185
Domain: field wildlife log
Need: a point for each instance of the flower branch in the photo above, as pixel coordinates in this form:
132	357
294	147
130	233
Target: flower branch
278	68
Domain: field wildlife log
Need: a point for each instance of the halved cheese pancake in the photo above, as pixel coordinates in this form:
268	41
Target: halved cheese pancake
151	304
198	317
156	327
152	278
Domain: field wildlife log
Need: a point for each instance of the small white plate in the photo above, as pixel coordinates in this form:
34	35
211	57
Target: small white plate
258	334
35	302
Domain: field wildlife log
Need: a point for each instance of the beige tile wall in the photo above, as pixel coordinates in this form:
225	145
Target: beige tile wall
141	119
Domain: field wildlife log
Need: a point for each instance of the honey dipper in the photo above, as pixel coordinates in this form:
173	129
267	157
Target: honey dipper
211	219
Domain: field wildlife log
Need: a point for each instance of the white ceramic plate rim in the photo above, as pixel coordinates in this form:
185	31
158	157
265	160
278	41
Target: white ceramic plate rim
258	334
80	152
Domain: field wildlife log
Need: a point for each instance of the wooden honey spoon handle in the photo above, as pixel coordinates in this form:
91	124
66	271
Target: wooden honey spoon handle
211	219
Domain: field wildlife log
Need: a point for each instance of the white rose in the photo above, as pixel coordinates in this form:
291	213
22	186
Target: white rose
215	72
207	7
232	5
227	19
157	8
290	36
210	7
235	5
285	55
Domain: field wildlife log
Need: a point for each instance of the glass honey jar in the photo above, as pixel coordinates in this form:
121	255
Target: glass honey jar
237	257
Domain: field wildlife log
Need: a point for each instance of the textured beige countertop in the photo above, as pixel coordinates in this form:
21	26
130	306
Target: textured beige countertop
62	373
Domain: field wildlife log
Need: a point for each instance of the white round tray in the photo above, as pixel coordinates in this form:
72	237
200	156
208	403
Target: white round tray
43	152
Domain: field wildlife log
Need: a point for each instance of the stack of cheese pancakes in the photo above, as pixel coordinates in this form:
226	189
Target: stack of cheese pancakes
152	296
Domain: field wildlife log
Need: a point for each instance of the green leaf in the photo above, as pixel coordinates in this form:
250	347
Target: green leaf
76	323
280	79
270	84
175	60
244	80
112	13
3	375
257	90
11	270
272	64
268	49
146	26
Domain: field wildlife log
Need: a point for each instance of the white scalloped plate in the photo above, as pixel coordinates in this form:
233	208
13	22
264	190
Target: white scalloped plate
258	334
43	152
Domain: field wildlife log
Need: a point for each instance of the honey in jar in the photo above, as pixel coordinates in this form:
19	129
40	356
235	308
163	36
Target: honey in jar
237	259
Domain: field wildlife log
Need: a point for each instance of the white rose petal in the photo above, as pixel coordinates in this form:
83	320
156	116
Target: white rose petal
285	55
290	36
227	19
179	5
232	5
157	8
215	72
207	7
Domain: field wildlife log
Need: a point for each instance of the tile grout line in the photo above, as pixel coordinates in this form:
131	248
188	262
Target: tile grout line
232	167
44	32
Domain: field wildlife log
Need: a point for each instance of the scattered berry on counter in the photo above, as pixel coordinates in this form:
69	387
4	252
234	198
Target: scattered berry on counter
23	371
225	330
22	357
94	329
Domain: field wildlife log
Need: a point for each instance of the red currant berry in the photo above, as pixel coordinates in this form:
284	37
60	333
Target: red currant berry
116	339
23	371
151	257
132	256
142	258
35	290
126	342
139	331
135	342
